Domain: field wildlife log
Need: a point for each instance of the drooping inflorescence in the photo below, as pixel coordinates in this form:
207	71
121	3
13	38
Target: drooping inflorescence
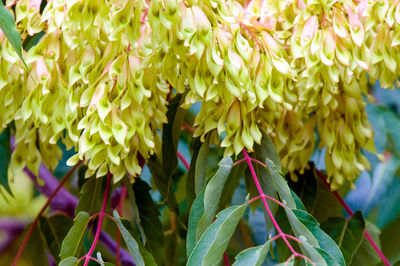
102	72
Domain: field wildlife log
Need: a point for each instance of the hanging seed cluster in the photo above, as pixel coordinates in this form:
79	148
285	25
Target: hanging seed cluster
101	74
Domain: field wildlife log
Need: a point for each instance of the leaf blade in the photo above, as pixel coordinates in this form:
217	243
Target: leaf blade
149	217
212	194
7	26
70	246
54	229
212	244
196	212
91	196
347	233
254	256
171	133
5	155
131	243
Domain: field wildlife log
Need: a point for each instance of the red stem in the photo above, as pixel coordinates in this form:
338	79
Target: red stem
267	197
288	236
183	160
351	212
105	214
33	225
239	161
260	191
188	128
90	258
96	237
226	259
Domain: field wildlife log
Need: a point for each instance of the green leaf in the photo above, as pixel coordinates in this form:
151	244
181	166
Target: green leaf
149	217
314	253
147	256
102	263
306	188
163	182
389	247
212	194
171	133
200	173
282	249
36	247
212	244
347	233
366	255
318	244
73	241
7	25
190	178
287	263
271	180
135	248
91	196
252	256
196	212
31	41
280	184
325	242
264	177
5	154
315	196
54	229
299	203
130	241
171	247
267	150
135	209
306	228
162	171
205	205
230	187
299	228
70	261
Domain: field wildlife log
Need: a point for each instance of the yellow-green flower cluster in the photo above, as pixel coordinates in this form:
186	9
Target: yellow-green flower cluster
330	55
288	67
89	89
101	74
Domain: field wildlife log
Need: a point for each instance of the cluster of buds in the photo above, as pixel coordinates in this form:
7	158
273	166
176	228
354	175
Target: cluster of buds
101	75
